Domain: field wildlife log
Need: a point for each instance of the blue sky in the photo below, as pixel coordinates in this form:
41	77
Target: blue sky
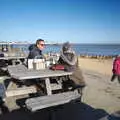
77	21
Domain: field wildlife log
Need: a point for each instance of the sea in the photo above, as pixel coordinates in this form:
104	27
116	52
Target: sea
80	49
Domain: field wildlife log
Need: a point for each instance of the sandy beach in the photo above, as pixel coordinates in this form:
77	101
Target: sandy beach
101	97
100	92
102	66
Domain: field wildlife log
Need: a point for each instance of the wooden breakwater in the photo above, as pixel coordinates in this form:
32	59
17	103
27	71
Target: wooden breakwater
97	56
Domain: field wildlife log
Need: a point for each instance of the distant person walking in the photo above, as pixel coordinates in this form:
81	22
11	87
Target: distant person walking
116	69
36	51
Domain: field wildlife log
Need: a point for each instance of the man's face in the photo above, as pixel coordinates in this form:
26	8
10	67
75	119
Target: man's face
41	45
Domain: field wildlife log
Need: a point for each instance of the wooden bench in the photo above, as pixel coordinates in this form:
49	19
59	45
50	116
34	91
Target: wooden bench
4	69
41	102
20	91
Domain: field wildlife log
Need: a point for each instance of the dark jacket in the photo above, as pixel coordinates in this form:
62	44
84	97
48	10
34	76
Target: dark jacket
69	59
68	67
34	53
77	75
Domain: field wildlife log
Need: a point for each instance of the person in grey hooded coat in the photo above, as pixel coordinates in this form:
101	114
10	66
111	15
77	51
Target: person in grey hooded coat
69	59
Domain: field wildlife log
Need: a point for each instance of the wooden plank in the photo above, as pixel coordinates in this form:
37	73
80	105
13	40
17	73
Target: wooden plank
48	86
12	57
5	77
37	103
16	69
10	85
20	91
3	68
21	72
38	74
55	86
2	78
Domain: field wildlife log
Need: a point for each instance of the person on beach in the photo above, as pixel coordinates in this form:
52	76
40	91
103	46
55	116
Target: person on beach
69	59
116	69
36	51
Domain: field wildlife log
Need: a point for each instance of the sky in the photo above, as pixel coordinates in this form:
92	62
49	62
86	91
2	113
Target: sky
57	21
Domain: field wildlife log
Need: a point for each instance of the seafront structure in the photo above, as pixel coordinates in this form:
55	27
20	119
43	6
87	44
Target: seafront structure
3	42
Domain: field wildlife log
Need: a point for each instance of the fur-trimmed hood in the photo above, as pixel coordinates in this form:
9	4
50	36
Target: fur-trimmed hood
67	54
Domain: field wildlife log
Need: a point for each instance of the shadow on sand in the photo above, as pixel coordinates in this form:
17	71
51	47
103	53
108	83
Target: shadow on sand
70	111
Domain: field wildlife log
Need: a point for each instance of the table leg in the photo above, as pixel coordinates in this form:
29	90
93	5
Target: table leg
9	85
48	86
13	62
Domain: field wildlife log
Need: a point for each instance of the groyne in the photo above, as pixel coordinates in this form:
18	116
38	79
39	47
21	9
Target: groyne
97	56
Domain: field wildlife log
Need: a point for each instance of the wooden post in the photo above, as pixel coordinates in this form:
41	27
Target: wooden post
48	86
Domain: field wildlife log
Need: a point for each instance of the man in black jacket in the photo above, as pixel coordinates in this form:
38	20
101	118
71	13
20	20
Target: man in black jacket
36	52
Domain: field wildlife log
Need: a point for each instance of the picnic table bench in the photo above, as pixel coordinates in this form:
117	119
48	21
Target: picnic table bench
37	103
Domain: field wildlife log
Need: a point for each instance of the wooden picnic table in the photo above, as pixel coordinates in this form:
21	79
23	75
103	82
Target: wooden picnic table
21	73
5	61
12	57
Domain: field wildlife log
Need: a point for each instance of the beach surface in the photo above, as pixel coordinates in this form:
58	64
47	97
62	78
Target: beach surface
101	97
100	92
